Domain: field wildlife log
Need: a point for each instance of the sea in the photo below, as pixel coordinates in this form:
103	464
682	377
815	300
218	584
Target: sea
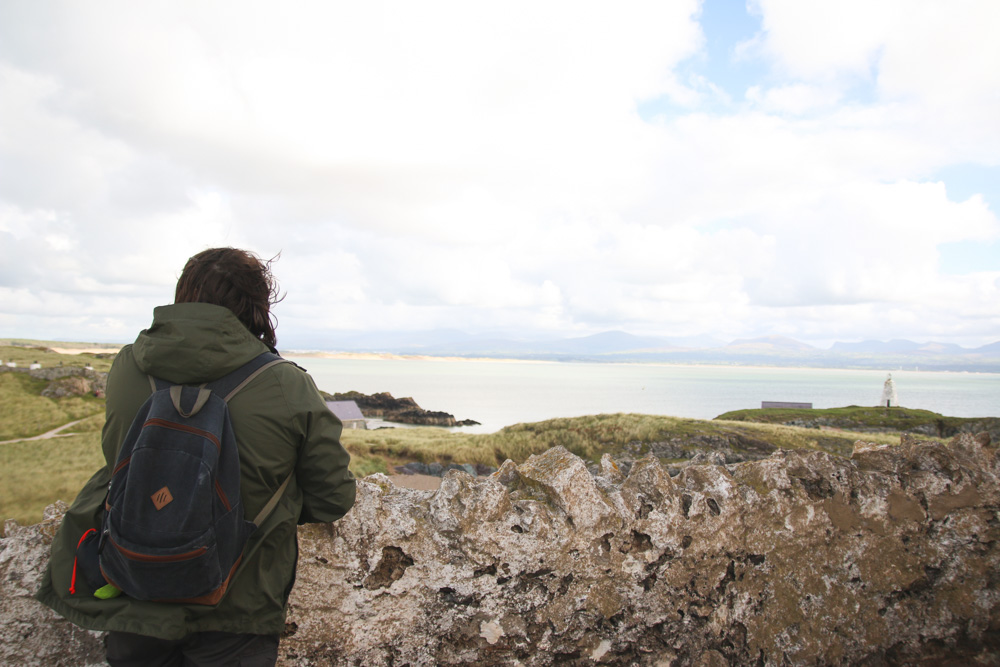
498	393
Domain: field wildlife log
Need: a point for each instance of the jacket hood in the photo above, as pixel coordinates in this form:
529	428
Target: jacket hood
190	343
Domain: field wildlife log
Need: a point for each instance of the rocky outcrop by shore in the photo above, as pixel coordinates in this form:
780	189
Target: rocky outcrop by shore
401	410
801	558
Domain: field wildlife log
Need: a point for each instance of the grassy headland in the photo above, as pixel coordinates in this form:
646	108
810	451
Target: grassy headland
871	420
634	435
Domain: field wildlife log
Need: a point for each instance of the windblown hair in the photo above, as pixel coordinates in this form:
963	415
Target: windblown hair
235	279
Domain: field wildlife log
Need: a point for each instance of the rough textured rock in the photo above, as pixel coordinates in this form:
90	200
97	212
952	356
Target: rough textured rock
74	385
801	558
31	634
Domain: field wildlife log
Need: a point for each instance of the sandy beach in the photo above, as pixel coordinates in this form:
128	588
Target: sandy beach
390	356
86	350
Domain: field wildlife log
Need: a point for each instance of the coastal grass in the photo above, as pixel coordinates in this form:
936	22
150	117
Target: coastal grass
425	444
36	473
840	442
587	437
24	412
891	418
590	437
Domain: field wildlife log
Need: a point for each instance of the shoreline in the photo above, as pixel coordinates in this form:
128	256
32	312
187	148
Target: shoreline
69	348
391	356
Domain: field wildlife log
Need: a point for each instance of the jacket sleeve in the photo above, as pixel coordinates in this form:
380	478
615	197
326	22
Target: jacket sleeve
328	487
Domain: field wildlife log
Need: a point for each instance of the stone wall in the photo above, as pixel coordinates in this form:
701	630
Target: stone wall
889	557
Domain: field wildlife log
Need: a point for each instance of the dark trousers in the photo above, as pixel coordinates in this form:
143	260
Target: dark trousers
201	649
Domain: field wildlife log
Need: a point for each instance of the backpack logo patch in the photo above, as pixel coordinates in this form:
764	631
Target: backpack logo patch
162	498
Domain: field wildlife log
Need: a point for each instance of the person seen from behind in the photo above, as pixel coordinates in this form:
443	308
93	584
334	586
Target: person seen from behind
220	320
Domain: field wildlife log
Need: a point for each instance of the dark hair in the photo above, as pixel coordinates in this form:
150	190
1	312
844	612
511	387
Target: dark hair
235	279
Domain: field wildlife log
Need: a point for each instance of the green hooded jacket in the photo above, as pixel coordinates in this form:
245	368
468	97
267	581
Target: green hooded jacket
282	428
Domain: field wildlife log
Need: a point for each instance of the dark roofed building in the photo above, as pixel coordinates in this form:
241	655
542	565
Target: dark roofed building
785	404
348	412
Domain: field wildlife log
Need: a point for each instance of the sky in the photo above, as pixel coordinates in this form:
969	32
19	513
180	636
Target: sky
819	170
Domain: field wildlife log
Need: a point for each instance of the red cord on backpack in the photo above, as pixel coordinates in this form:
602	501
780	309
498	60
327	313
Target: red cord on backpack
72	581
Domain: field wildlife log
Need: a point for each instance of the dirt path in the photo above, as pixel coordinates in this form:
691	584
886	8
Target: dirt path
54	433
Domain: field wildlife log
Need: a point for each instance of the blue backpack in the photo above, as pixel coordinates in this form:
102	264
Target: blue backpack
173	527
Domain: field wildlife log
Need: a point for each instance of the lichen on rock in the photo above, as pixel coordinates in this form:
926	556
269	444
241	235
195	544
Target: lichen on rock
889	557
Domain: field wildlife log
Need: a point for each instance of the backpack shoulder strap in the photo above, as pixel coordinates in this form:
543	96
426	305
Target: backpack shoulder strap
228	385
272	503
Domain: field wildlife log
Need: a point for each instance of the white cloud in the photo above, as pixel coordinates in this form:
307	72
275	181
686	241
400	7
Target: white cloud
50	159
454	165
824	41
931	64
793	99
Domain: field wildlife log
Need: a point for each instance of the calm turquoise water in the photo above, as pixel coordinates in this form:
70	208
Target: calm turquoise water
500	393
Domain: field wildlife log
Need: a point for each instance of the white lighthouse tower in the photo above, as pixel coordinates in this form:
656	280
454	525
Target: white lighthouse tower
889	397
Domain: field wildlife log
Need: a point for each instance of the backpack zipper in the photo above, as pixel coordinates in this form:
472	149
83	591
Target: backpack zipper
156	421
147	558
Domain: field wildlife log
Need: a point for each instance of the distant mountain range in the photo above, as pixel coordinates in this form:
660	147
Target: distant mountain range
619	346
